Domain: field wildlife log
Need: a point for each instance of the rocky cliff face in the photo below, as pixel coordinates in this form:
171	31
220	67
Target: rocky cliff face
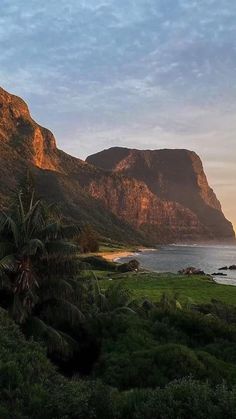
23	135
175	176
160	196
26	145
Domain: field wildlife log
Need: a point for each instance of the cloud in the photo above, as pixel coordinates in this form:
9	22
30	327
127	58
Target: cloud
142	73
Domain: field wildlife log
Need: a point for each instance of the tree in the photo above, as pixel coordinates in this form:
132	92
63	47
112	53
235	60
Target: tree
88	240
38	262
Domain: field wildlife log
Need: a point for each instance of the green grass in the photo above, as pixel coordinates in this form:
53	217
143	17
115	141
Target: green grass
110	248
152	286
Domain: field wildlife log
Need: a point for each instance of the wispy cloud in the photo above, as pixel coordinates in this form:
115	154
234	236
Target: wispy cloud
143	73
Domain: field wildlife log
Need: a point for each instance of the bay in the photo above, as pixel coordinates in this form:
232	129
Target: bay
172	258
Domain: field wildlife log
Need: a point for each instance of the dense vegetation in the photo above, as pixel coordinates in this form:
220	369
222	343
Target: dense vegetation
74	344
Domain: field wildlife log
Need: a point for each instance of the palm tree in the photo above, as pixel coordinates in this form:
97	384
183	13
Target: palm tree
40	278
117	298
38	264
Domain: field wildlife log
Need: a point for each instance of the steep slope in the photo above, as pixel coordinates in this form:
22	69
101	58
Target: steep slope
172	175
26	145
122	203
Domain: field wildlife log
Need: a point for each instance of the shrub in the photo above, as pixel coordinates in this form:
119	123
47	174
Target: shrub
24	373
197	328
81	400
183	399
131	266
99	263
88	240
30	387
149	368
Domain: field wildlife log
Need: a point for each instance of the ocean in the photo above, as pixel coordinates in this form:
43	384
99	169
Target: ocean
175	257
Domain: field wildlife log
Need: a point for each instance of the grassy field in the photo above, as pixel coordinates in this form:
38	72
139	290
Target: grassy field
152	286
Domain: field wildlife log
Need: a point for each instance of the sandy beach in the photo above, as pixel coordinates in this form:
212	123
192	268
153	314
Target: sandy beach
113	256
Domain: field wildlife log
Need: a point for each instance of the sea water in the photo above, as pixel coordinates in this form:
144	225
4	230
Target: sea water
175	257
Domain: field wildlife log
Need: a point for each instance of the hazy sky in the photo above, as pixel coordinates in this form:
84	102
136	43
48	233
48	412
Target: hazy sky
137	73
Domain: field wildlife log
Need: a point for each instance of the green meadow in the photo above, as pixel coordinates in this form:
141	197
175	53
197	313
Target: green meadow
195	289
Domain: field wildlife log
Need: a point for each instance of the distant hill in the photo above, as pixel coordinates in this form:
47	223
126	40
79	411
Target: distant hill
177	178
128	195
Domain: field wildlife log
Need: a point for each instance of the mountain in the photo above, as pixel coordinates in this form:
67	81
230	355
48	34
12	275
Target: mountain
176	177
129	195
26	145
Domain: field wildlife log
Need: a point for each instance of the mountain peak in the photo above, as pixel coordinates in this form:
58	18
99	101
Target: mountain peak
174	175
21	132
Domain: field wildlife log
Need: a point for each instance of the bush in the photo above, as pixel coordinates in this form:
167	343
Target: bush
149	368
198	329
99	263
25	373
88	240
131	266
81	400
30	387
183	399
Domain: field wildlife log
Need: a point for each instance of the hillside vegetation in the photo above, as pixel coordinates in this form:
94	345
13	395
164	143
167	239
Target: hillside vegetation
79	340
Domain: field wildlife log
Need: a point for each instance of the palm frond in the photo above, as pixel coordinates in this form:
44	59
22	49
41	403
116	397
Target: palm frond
21	206
32	212
4	281
70	231
7	222
32	247
6	248
51	230
70	312
118	295
34	220
51	211
102	302
55	341
60	248
124	310
56	230
59	310
55	288
8	263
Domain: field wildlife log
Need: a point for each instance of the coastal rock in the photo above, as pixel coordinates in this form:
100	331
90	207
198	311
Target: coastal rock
224	268
232	267
191	271
131	266
218	274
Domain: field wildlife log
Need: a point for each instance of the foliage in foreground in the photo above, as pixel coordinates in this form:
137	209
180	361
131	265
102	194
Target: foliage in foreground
31	388
160	344
140	359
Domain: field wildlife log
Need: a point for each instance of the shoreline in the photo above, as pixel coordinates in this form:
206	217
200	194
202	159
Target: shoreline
116	255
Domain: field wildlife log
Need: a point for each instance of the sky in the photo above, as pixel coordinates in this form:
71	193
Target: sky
146	74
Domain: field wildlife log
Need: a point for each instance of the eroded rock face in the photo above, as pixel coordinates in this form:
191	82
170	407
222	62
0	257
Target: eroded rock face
175	176
22	134
152	197
131	200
